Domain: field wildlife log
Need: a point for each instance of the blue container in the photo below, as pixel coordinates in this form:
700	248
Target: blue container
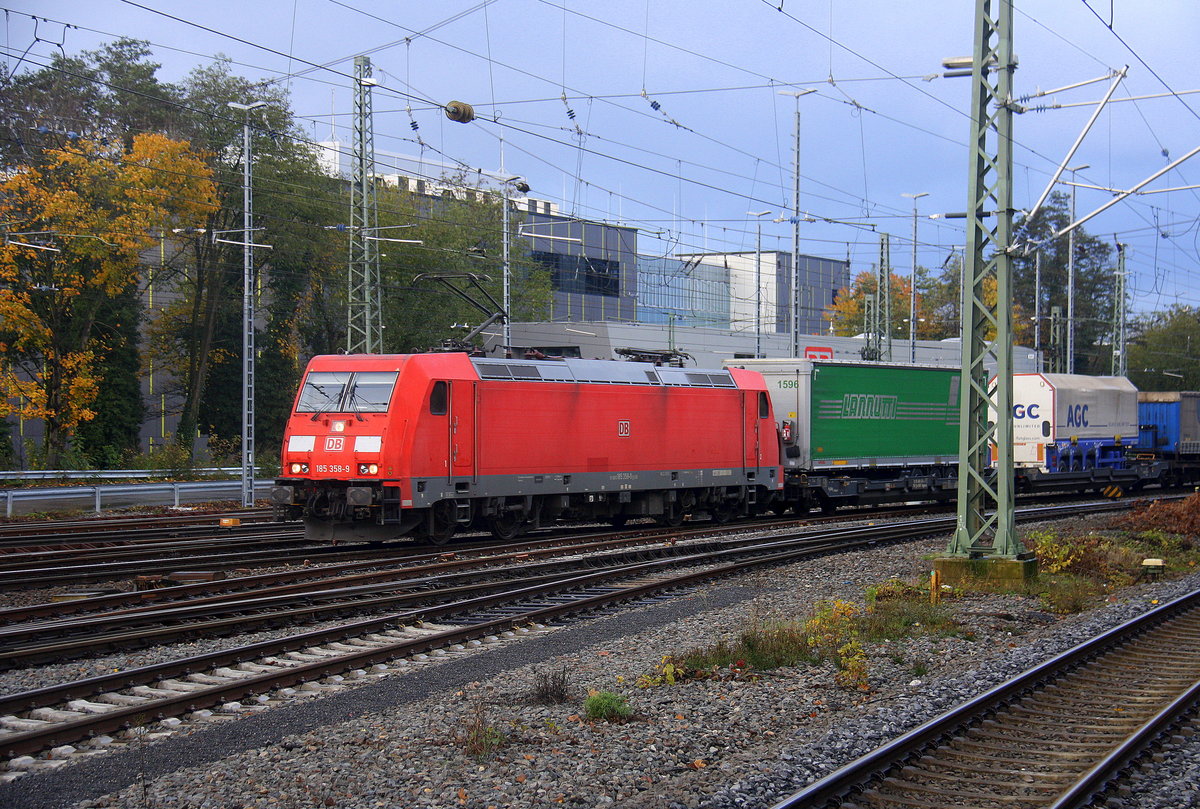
1169	422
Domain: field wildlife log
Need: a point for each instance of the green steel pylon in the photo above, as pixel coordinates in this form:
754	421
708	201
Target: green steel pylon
987	329
364	325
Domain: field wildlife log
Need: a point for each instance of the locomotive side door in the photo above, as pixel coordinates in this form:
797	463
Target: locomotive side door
441	445
462	429
749	432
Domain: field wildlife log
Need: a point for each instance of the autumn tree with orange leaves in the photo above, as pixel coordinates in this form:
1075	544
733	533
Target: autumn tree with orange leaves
938	304
76	224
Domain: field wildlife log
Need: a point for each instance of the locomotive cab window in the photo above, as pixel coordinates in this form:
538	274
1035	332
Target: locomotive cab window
764	406
346	392
372	391
322	391
439	399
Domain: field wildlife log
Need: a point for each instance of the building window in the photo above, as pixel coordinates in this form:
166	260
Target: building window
581	274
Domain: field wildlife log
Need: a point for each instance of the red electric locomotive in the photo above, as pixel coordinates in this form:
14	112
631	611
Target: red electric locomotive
380	447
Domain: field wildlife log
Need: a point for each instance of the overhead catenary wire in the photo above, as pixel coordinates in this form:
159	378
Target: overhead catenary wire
601	186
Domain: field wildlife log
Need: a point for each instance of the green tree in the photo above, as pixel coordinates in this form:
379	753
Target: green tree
111	438
458	235
1164	350
1095	277
111	93
940	299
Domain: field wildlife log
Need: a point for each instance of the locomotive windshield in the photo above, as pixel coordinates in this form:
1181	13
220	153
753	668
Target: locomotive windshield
345	392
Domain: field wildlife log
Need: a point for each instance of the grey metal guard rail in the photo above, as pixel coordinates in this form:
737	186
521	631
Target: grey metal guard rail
192	491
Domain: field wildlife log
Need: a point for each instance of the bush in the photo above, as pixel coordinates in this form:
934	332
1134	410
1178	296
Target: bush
1172	517
1092	556
607	705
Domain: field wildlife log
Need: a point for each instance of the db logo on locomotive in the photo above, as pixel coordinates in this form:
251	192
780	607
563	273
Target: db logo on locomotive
623	429
334	443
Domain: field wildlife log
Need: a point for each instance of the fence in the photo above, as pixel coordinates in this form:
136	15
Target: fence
192	491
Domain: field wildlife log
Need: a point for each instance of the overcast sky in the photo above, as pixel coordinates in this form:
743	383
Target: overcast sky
711	138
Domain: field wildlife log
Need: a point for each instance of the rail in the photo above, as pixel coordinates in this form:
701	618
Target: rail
175	492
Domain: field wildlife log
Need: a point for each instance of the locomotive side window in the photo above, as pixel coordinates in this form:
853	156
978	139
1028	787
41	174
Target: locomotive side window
371	391
322	391
439	399
764	407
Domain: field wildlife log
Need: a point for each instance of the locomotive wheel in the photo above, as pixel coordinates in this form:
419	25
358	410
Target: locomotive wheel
672	516
722	513
506	525
443	525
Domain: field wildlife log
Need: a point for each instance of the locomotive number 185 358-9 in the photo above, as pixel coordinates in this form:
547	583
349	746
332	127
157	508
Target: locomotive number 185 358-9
332	468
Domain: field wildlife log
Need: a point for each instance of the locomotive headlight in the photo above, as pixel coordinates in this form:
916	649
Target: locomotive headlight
295	468
368	469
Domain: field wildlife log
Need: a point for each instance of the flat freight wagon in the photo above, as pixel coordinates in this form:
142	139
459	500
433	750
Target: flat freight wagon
859	432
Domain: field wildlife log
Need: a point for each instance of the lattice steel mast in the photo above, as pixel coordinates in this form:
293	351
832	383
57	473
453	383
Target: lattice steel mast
987	329
364	308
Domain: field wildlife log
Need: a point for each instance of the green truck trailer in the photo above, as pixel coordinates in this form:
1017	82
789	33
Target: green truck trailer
859	432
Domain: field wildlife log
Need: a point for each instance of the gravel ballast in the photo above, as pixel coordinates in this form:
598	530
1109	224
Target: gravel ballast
405	740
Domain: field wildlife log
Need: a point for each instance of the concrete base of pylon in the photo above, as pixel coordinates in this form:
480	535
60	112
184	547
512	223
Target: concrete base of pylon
1003	570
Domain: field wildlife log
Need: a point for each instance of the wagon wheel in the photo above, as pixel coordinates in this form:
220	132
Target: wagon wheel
506	525
672	515
779	507
443	523
723	512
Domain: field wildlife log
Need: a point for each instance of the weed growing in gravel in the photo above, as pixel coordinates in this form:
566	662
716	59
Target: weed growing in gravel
606	705
897	609
1078	570
480	739
834	631
551	687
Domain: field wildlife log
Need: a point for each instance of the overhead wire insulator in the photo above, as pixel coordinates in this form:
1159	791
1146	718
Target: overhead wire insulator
460	111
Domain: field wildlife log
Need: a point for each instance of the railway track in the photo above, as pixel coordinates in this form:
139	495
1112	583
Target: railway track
50	717
1055	736
57	631
57	533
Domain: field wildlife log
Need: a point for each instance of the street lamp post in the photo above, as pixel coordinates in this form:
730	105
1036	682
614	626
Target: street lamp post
1071	275
247	310
912	292
795	314
758	284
